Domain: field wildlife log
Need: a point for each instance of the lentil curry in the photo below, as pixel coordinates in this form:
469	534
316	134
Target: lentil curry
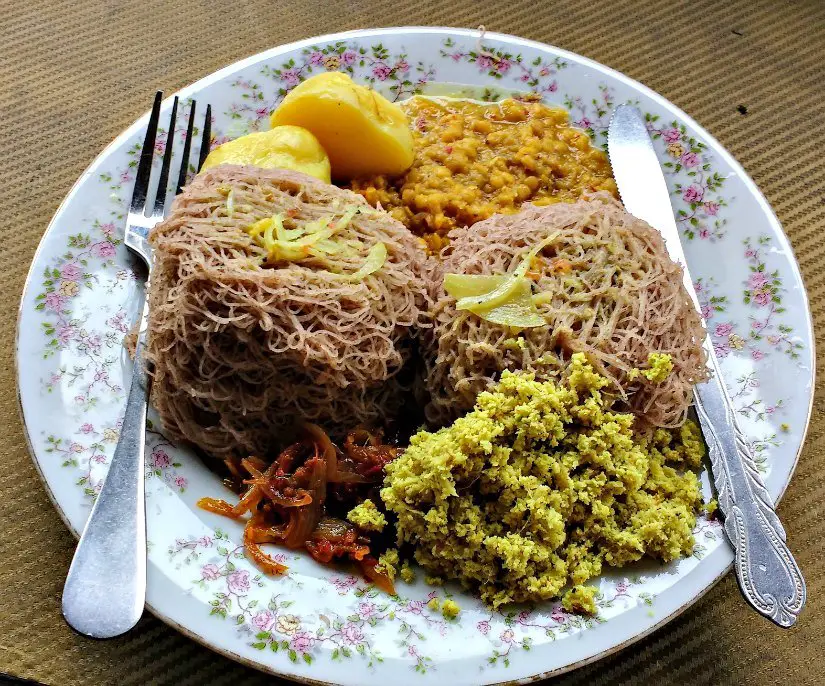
476	159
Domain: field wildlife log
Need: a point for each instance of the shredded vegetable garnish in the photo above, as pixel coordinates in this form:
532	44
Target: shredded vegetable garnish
292	244
375	260
230	203
294	500
462	286
517	311
501	299
313	239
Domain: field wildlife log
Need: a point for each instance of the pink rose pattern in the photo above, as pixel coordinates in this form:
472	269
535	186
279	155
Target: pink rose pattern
160	458
264	620
690	159
518	630
71	272
54	302
381	72
352	634
763	293
78	269
693	194
367	610
672	135
764	335
160	464
103	249
91	450
238	582
344	637
210	572
291	78
537	75
696	186
62	284
302	642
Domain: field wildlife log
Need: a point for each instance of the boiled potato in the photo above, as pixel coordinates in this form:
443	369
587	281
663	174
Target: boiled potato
363	132
283	147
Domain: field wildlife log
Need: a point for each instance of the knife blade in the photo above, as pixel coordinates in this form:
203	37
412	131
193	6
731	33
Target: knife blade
767	573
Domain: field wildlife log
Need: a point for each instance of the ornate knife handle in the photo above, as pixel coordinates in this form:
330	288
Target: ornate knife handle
765	568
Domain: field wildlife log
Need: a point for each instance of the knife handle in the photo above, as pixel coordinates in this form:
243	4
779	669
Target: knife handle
767	573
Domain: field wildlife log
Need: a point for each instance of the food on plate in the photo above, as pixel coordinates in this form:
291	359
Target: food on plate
284	147
544	332
505	299
603	284
277	299
542	486
450	609
362	132
536	490
298	499
580	599
659	367
474	160
367	517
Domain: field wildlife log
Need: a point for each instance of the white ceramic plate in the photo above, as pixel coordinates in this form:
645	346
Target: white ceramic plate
319	624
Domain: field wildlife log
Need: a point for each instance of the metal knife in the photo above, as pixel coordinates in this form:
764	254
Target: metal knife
765	568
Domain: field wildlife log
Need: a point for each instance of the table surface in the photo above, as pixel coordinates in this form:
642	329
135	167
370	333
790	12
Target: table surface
75	74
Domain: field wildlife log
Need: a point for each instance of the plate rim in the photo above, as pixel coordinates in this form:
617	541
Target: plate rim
480	33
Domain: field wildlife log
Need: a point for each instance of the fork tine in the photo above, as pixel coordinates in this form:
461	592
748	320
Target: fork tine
206	138
163	179
144	169
187	144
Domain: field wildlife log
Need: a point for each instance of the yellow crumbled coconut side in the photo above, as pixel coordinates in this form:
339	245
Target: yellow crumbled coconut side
407	573
433	604
580	599
367	517
659	367
450	609
388	563
711	508
540	486
433	580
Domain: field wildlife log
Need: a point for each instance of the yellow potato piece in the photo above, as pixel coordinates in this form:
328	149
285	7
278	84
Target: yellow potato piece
283	147
363	132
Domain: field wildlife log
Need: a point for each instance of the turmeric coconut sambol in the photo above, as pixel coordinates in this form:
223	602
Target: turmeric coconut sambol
472	261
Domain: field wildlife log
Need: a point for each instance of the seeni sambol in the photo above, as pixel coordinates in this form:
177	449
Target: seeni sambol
301	499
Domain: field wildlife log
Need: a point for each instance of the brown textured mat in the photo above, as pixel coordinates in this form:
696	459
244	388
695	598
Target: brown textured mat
73	75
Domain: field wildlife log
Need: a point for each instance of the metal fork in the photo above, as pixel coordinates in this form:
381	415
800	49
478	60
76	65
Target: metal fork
105	589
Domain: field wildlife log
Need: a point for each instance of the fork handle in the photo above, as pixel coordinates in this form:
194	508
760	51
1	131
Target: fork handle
105	589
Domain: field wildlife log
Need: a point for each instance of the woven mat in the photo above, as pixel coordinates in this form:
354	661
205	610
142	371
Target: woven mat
74	74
